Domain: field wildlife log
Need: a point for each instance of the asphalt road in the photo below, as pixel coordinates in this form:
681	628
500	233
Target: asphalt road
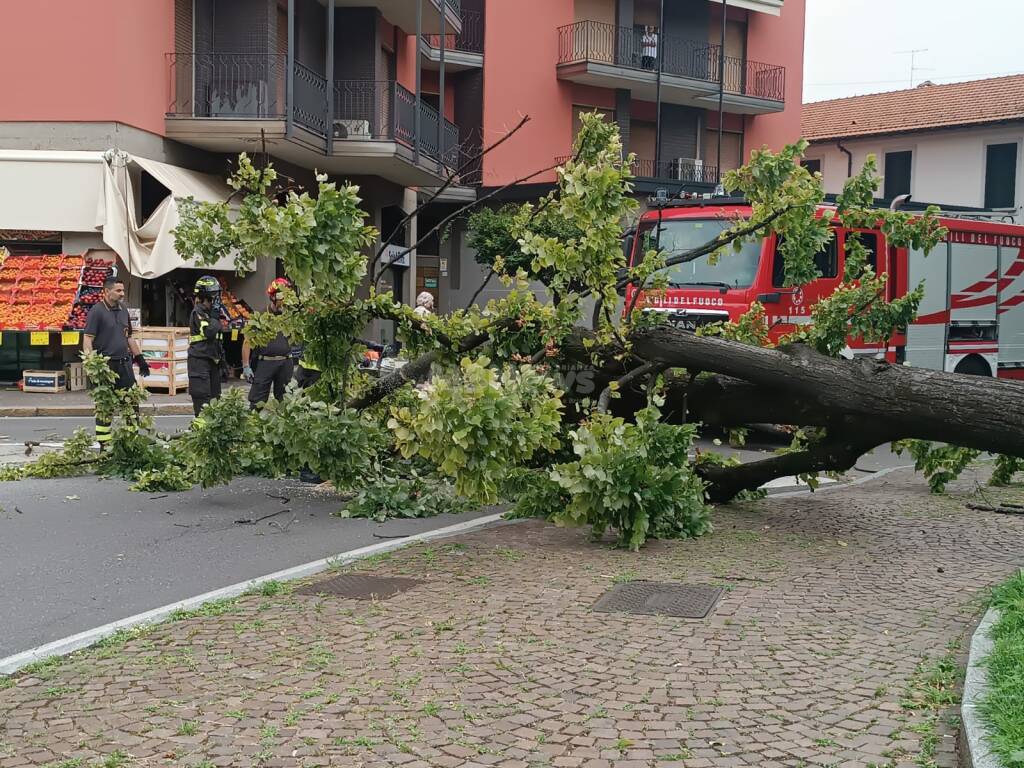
76	553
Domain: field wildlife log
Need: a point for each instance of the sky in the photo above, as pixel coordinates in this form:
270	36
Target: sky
853	46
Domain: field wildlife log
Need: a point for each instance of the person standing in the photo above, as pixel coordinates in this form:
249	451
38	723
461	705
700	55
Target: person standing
274	361
205	350
424	304
649	47
108	331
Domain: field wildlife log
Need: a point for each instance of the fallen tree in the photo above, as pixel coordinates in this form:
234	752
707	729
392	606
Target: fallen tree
519	401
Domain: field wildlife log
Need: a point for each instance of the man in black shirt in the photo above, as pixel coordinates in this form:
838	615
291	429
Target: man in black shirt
108	331
205	351
274	361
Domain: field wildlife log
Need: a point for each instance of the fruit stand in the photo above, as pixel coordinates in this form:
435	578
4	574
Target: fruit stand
44	300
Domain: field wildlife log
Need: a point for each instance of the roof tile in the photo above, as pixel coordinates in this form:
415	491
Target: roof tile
924	107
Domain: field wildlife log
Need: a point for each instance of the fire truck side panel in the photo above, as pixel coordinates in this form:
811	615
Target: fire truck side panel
1011	311
973	269
926	337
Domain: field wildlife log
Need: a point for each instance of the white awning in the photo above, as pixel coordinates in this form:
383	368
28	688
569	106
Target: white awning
774	7
148	249
55	191
82	192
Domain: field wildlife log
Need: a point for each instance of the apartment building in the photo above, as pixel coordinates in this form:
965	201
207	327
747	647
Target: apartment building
131	104
657	68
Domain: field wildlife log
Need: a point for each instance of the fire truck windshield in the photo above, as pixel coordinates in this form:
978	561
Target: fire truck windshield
733	269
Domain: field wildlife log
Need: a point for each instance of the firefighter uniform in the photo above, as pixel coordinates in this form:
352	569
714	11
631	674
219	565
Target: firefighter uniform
205	354
274	369
306	374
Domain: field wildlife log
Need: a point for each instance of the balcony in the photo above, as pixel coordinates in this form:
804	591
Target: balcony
226	102
376	120
675	171
606	56
686	172
402	13
463	50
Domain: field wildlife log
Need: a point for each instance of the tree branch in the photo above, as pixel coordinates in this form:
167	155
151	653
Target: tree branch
833	453
652	369
439	191
468	207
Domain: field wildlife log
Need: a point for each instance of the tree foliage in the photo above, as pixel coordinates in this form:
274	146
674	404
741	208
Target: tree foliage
492	417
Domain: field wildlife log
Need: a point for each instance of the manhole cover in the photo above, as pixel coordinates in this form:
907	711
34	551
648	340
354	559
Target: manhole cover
650	598
359	587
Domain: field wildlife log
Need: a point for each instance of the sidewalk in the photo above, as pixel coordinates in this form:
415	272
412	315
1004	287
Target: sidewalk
14	402
834	603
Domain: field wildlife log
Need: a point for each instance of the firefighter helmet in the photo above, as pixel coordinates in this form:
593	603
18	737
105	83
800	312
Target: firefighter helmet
278	285
208	287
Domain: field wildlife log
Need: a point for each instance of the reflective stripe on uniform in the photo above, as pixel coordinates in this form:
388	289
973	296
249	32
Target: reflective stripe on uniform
103	433
201	336
307	365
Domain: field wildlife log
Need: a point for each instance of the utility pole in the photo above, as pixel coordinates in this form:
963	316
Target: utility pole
419	84
657	96
440	96
721	92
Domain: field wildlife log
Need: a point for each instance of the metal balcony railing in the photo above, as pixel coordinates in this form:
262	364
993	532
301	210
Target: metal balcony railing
469	40
309	104
676	170
227	85
254	87
686	171
593	41
386	110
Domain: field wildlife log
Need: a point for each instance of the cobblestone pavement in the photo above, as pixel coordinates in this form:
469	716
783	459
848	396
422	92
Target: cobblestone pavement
832	602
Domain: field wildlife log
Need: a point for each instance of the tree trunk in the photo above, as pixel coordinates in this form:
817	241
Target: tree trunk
970	411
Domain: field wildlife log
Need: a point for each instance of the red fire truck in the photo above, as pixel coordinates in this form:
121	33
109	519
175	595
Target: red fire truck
971	319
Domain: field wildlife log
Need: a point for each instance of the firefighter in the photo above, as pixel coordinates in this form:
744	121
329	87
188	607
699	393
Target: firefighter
108	331
274	361
306	374
205	351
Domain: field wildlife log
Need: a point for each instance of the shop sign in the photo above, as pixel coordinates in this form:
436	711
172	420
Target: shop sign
39	338
69	338
135	315
396	256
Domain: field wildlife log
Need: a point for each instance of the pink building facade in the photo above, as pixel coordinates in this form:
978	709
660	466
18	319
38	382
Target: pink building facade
395	95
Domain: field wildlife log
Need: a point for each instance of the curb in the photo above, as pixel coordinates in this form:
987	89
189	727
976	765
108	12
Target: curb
66	645
161	409
975	751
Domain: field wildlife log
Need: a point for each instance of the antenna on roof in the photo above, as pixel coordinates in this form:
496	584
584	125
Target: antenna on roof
913	57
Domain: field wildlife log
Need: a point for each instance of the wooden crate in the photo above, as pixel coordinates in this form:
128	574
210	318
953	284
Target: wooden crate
44	381
163	342
171	376
75	373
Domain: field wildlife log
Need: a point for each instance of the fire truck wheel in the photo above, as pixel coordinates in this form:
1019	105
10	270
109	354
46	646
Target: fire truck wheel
973	365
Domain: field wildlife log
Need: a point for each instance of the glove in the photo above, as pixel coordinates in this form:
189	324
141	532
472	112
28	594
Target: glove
143	365
247	374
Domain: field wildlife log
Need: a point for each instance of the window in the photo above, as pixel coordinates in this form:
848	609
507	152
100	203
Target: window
1001	175
812	166
826	262
897	174
732	270
870	242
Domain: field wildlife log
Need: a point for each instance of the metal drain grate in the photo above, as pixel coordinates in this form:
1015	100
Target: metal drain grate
358	587
651	598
